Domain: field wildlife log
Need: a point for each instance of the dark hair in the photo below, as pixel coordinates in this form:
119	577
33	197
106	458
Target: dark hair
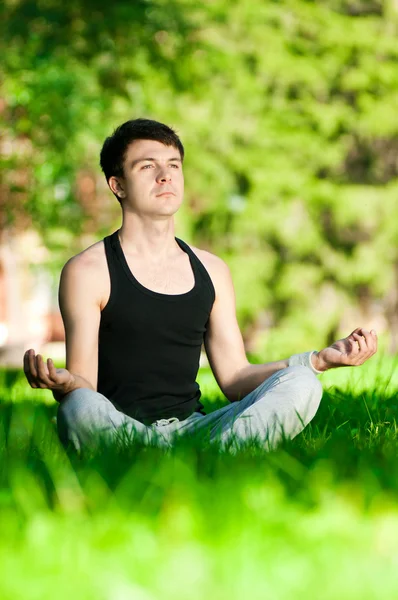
114	148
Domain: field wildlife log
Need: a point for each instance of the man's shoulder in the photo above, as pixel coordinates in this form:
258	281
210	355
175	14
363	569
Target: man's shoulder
87	271
208	258
90	260
89	257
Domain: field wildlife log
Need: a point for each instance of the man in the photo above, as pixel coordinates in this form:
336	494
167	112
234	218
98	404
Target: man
136	308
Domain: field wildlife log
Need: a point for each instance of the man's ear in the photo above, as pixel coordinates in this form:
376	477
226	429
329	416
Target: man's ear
117	187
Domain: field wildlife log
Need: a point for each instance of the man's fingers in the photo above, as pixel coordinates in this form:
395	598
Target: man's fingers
354	346
357	330
25	362
363	348
42	374
52	371
363	335
30	368
26	368
367	345
373	341
32	364
370	341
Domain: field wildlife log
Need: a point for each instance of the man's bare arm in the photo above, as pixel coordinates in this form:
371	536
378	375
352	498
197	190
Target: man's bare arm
225	350
224	344
80	308
351	351
250	377
79	302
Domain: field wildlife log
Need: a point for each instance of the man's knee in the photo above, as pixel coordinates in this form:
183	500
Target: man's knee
308	392
80	402
76	411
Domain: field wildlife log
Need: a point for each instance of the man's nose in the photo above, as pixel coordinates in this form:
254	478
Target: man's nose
164	175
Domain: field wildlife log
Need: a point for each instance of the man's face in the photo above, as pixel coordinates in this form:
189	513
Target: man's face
153	181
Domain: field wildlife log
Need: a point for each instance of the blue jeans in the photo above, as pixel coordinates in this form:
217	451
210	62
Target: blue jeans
278	408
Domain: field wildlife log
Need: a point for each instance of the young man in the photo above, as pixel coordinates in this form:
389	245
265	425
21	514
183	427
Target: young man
136	308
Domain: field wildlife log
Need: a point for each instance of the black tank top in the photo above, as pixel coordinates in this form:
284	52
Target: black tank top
150	343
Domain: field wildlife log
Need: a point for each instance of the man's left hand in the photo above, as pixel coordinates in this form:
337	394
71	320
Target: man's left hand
351	351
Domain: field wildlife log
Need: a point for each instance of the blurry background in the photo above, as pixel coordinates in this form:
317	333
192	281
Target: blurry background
288	112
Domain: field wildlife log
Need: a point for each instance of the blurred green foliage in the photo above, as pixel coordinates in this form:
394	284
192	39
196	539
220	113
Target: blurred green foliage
287	111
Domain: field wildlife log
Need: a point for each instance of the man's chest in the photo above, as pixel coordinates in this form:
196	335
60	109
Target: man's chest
173	278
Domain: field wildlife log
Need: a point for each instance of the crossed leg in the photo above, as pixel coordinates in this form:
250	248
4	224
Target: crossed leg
86	418
278	408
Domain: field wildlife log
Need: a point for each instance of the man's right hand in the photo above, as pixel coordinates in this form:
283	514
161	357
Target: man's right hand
44	375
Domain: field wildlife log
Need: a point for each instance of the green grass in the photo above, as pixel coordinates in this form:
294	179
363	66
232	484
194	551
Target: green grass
317	518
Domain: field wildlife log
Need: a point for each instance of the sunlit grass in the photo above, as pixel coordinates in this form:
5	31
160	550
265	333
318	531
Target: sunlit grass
316	518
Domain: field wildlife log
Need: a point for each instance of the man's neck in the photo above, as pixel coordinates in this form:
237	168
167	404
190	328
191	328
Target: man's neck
153	245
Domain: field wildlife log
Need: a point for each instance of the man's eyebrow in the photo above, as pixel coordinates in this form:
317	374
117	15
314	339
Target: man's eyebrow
135	162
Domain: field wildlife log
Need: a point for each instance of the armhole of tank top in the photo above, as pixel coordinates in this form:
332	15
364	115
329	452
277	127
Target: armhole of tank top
209	282
205	273
112	275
